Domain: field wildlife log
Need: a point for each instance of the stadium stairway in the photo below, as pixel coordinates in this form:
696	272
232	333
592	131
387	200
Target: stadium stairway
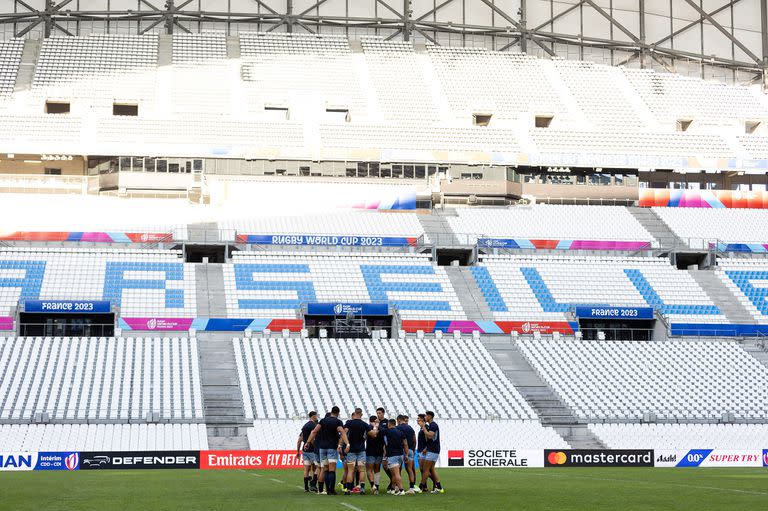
656	227
165	50
722	296
27	67
222	399
547	405
758	349
437	228
470	296
211	298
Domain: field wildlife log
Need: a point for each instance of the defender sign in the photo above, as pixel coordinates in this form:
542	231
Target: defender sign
140	459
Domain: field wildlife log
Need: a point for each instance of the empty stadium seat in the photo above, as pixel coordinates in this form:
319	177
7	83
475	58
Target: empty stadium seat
284	378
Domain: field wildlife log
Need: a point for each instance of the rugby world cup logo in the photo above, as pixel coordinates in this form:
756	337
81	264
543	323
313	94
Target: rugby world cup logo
338	309
151	324
72	461
526	327
765	457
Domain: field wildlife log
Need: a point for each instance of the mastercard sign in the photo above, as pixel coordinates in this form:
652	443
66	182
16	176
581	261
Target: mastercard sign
598	458
556	458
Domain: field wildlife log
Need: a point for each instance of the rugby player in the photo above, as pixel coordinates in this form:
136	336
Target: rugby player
431	452
383	424
374	450
307	454
410	437
421	449
358	432
330	437
395	447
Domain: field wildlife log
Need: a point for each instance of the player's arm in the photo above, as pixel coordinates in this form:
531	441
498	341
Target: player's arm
405	447
298	445
344	439
313	434
427	433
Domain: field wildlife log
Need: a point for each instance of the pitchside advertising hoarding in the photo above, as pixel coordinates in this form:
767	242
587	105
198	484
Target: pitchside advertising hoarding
463	458
712	458
13	461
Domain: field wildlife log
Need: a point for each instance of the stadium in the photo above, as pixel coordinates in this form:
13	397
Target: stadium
540	224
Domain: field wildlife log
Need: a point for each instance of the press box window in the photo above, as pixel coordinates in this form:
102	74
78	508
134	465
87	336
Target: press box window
57	107
543	121
131	110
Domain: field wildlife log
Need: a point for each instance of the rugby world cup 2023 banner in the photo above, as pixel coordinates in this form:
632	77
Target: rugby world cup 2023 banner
18	461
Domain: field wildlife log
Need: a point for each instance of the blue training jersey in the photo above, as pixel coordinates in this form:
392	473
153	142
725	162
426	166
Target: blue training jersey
434	444
393	438
409	434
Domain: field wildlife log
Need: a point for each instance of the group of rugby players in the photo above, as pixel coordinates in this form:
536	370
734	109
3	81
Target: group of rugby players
367	448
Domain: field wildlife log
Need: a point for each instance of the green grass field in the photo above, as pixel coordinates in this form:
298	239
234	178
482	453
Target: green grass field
484	489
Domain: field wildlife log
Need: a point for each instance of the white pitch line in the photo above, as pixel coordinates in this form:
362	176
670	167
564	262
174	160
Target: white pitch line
652	483
350	506
254	474
277	481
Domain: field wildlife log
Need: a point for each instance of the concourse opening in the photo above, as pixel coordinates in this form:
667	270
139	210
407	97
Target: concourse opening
347	320
61	318
616	323
213	253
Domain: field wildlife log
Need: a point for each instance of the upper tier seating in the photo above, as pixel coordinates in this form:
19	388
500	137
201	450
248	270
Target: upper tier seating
550	223
276	284
418	138
199	48
681	436
701	226
285	378
398	78
544	288
599	93
458	70
98	68
301	71
746	279
99	379
622	380
10	58
671	97
755	145
142	283
354	224
103	437
456	434
619	142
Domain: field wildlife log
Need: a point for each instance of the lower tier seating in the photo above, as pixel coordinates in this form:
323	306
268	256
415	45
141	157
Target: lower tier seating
681	436
458	379
675	380
99	378
103	437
